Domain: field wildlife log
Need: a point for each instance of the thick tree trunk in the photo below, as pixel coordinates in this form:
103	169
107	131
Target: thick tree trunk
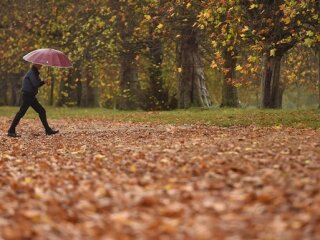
3	89
229	91
14	88
87	91
272	90
129	85
192	87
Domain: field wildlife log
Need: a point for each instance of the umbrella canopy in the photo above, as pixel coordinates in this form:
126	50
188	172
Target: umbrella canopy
48	57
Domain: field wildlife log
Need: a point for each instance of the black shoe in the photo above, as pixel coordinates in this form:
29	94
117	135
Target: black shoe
13	134
51	131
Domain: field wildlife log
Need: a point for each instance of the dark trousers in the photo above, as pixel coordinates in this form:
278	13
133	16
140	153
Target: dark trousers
29	101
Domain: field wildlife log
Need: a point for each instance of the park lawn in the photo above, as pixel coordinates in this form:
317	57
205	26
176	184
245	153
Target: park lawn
306	118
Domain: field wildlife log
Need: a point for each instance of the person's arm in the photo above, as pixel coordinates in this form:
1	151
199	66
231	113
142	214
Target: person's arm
41	83
36	81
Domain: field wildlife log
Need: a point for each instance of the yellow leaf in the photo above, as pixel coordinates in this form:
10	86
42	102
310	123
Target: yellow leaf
165	160
252	59
120	217
8	157
147	17
167	187
100	24
214	65
160	25
27	180
133	168
310	33
100	192
113	18
244	29
98	157
287	20
252	6
273	52
30	168
238	68
214	44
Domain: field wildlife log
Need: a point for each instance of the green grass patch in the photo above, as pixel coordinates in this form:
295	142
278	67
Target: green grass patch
217	117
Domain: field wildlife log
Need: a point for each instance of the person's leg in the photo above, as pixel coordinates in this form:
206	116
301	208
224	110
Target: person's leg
26	102
42	114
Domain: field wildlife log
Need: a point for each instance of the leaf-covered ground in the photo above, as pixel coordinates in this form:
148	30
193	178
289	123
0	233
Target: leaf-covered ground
101	179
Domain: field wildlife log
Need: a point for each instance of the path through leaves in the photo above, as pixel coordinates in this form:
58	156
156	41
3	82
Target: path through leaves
112	180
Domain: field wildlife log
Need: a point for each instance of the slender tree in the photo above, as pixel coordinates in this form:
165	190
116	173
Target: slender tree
276	26
220	20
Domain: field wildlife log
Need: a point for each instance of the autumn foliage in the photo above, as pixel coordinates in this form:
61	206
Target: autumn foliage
161	55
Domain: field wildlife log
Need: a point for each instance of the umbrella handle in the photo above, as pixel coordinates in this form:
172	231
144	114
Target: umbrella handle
51	100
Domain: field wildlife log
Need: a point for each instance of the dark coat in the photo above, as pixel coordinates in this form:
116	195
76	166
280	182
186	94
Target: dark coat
32	82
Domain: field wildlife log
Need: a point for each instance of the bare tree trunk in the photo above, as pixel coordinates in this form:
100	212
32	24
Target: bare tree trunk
192	86
129	85
77	95
69	90
229	91
318	55
63	92
87	91
84	101
272	90
157	97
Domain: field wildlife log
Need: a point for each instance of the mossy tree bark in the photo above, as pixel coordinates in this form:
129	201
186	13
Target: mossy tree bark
192	86
229	90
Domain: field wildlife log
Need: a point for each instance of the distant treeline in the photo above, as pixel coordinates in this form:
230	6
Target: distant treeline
161	55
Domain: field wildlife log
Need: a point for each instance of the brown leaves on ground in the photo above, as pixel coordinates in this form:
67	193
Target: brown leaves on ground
111	180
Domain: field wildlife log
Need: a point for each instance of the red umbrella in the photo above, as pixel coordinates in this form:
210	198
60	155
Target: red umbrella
48	57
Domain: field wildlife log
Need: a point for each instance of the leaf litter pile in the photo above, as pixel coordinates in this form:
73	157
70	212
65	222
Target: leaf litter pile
111	180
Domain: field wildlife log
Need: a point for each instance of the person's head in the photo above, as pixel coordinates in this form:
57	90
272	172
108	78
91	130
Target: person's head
37	66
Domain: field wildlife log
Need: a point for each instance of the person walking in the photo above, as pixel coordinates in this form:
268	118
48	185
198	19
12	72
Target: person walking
31	84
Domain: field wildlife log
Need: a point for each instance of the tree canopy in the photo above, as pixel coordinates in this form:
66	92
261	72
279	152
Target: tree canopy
159	55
